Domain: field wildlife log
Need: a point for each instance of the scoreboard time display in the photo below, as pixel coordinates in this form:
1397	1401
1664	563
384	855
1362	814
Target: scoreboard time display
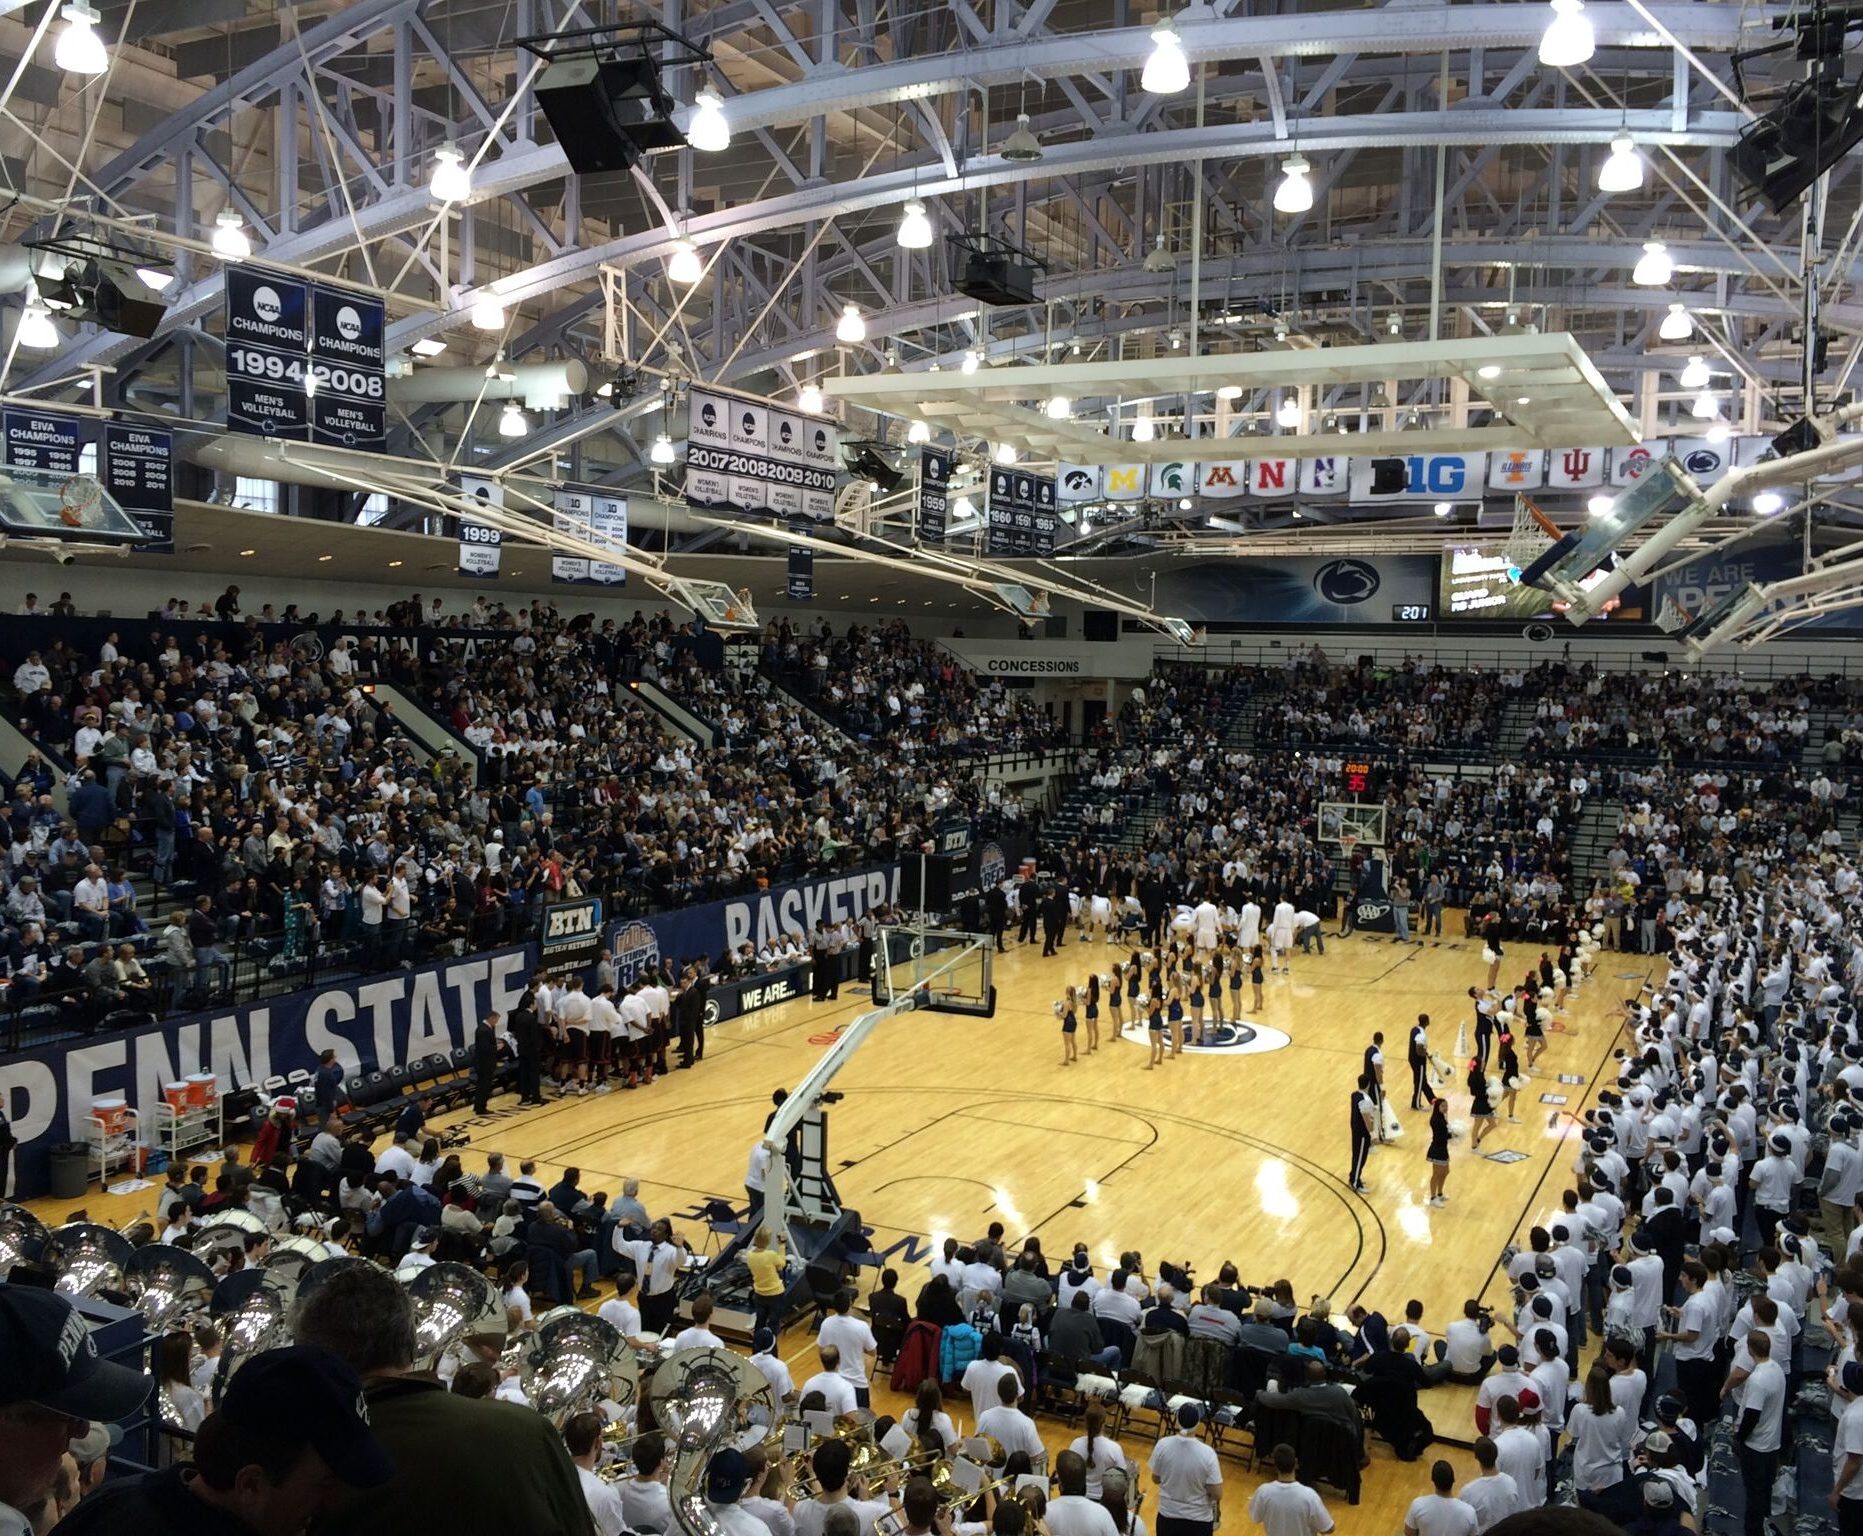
1359	777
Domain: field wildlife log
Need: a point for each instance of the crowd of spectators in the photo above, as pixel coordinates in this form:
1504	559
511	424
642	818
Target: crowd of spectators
1411	707
1674	715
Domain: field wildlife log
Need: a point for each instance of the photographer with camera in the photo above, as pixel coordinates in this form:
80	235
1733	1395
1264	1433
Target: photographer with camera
1468	1347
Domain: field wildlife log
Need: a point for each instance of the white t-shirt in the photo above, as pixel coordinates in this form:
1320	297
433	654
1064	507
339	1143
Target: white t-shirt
1600	1444
836	1390
624	1315
776	1373
1493	1498
1521	1454
1289	1509
852	1337
1434	1515
604	1504
979	1380
1072	1515
1764	1392
1186	1469
645	1506
1849	1442
1107	1454
808	1514
1015	1430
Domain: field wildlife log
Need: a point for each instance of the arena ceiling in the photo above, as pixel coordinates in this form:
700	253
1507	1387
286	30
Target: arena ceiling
1455	179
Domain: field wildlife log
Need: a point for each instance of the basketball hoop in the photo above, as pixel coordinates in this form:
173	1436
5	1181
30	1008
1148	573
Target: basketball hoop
1671	616
80	502
1347	842
1532	535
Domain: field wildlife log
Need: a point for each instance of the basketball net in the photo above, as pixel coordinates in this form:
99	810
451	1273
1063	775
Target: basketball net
1671	616
1532	535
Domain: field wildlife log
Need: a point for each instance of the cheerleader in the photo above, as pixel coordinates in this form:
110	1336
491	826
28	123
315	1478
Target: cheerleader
1174	1012
1198	1019
1238	963
1134	972
1154	1024
1480	1111
1419	1058
1491	949
1536	1031
1510	1077
1093	1013
1219	962
1255	967
1070	1021
1438	1154
1116	998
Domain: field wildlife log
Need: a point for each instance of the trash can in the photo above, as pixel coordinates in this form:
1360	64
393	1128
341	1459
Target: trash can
70	1170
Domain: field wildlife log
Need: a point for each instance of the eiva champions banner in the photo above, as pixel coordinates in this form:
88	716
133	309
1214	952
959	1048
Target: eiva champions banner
668	938
372	1025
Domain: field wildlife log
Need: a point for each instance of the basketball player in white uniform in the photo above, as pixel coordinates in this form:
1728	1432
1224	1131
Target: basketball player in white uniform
1281	933
1248	935
1204	921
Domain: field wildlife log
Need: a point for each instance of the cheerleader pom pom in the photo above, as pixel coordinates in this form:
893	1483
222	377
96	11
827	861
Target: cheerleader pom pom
1107	983
1059	1007
1488	956
1597	930
1546	994
1144	1000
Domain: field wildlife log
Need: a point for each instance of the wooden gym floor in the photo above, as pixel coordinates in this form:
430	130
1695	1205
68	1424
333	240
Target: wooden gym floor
950	1123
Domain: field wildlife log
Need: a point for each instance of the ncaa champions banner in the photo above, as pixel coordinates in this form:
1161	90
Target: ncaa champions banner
304	362
745	454
481	546
934	495
372	1024
667	938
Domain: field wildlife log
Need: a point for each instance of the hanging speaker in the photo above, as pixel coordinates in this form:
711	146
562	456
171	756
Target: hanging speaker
607	113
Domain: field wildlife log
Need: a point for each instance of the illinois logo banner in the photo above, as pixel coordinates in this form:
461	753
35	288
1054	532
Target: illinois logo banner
1517	469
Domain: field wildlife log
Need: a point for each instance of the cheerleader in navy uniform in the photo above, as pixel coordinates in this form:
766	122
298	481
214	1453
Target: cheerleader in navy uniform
1536	1031
1438	1154
1070	1021
1480	1111
1154	1025
1174	1013
1093	1013
1219	962
1510	1077
1254	976
1135	973
1197	1017
1116	998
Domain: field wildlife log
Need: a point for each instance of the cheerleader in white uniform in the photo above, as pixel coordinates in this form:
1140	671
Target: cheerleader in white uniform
1281	934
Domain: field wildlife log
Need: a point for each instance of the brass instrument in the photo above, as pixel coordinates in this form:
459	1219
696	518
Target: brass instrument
951	1497
22	1236
253	1309
85	1258
292	1256
452	1302
224	1234
700	1398
168	1284
576	1360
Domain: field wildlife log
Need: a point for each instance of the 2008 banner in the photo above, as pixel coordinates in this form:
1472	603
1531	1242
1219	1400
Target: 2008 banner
304	362
745	454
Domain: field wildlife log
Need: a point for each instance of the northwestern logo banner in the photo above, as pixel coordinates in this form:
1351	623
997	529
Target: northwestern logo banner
372	1024
572	931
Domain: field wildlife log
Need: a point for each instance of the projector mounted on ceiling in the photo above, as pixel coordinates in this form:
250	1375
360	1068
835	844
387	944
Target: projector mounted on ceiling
992	271
601	90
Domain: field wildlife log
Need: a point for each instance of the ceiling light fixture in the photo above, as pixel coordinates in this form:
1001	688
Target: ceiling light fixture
1623	168
1444	508
1567	41
1768	502
852	327
1676	325
428	346
709	130
662	451
1167	71
809	398
488	314
1059	408
79	50
1021	147
1705	407
1654	267
1005	453
684	265
1696	374
1287	413
915	231
451	181
1488	371
969	365
513	422
1229	392
36	332
157	278
230	240
1142	429
1718	432
1158	259
1295	193
918	432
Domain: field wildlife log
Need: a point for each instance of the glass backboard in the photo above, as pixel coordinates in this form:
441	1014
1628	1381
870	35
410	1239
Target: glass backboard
949	971
47	504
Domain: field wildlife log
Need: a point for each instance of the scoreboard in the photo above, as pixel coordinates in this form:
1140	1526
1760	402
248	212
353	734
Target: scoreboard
1361	778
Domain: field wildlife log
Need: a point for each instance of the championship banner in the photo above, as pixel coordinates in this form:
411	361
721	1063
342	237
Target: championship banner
934	496
801	566
744	454
480	545
267	342
139	473
999	513
1047	515
596	517
38	439
348	375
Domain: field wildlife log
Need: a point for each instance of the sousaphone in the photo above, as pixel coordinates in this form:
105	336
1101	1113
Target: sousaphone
168	1285
85	1258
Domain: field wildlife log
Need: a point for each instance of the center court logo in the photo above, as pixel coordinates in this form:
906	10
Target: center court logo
1236	1039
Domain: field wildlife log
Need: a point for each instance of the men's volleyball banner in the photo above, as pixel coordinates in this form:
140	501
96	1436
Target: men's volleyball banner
745	454
1418	477
372	1024
304	362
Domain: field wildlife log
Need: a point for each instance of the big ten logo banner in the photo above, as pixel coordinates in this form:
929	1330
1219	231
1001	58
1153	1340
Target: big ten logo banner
664	940
372	1025
572	931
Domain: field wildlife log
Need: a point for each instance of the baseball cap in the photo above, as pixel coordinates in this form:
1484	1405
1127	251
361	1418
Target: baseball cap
1658	1494
95	1443
48	1357
1658	1443
309	1395
726	1476
1853	1377
763	1342
1189	1416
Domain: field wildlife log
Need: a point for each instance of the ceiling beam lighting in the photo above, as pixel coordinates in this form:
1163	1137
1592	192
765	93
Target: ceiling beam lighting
1167	71
230	240
1295	193
852	326
79	50
1654	267
1567	41
1676	325
1623	168
915	230
451	181
709	130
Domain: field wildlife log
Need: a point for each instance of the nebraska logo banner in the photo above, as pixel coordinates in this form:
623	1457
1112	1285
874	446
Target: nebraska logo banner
1273	477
